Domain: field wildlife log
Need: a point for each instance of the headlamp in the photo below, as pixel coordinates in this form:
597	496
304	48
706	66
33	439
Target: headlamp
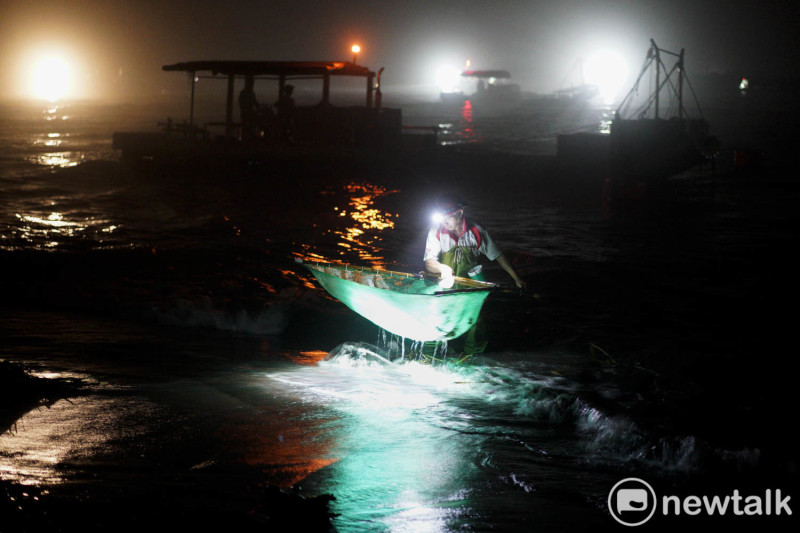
438	216
447	205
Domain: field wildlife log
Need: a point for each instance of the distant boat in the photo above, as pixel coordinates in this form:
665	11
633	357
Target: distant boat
574	87
582	92
411	306
319	127
491	87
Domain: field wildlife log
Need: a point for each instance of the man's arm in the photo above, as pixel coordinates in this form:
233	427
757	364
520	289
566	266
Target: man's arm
503	262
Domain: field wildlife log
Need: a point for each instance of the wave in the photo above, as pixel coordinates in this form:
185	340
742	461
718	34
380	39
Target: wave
501	401
185	313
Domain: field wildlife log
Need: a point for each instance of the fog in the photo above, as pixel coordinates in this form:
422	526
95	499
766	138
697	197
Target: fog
116	48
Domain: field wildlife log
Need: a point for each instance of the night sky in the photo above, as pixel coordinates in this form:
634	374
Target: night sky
117	47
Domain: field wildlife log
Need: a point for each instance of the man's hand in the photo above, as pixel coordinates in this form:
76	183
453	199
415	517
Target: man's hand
435	267
503	262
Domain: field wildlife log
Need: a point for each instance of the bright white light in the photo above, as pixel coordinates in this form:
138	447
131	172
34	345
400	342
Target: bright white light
448	78
51	78
744	84
609	72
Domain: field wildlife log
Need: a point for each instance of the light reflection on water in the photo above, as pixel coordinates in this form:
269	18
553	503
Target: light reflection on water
401	466
606	118
432	448
54	229
462	130
356	226
55	111
45	439
53	139
367	221
48	146
57	159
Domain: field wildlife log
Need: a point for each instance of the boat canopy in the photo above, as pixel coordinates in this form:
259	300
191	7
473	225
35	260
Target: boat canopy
280	70
500	74
273	68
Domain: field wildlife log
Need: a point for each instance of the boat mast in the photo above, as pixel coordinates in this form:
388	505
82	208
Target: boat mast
654	101
680	85
191	100
229	126
657	54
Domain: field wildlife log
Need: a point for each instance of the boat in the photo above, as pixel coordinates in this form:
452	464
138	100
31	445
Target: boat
416	307
577	93
488	87
362	124
574	87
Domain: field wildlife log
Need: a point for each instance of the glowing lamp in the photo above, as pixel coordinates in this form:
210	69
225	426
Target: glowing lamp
355	49
51	78
608	71
448	79
744	84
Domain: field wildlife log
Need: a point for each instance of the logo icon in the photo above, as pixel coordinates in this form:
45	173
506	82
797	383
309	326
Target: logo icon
632	502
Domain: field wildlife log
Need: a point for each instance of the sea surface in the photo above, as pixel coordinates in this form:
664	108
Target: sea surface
655	343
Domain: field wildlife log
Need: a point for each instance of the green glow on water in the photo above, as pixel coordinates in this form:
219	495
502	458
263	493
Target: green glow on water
400	467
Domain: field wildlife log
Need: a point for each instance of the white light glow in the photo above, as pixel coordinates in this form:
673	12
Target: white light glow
448	78
51	78
609	72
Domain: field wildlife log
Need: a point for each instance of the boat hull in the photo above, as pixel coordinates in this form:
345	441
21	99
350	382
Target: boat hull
406	305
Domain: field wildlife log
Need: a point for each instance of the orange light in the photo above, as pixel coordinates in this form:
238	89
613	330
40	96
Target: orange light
356	49
311	357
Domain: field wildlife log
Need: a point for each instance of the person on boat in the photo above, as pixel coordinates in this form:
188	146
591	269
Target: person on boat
249	109
285	108
454	247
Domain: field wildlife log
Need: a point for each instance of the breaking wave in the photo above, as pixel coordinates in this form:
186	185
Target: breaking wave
521	402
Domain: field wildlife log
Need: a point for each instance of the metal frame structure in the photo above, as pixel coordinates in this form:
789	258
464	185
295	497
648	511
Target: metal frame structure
663	80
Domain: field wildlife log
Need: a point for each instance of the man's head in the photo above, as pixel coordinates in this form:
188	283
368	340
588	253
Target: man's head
450	211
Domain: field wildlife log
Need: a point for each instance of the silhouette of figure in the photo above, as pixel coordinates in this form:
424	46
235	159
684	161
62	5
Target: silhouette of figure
249	109
285	108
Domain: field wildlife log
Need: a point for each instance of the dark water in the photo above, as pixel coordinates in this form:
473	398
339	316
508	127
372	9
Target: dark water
656	343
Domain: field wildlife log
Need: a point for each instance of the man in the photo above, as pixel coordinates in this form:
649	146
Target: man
249	109
285	107
453	248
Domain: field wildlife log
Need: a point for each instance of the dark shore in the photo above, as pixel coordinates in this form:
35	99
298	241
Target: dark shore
21	391
172	498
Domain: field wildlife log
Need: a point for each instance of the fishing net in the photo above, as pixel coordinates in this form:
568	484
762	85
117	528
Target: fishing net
410	306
